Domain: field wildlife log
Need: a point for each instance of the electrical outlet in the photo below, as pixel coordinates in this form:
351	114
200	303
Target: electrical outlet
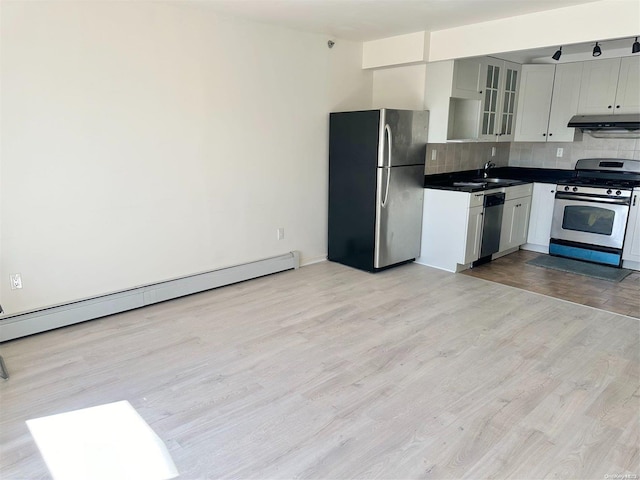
559	152
280	233
16	281
493	151
434	154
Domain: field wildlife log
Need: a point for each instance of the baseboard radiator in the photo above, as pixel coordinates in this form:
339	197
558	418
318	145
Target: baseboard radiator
21	325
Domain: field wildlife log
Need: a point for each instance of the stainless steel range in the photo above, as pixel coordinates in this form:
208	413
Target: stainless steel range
591	210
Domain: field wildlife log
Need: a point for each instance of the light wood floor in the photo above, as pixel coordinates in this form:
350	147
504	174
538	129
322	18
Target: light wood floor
328	372
618	297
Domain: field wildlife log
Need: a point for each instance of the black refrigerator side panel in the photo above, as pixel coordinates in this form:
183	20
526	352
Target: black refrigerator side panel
353	155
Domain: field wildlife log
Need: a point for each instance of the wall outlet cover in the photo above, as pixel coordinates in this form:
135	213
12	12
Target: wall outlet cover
16	281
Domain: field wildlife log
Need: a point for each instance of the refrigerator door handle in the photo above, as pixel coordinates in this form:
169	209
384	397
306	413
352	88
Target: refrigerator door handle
387	131
385	197
386	188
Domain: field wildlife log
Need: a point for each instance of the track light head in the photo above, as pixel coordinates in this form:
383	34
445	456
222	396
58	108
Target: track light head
597	51
635	48
556	56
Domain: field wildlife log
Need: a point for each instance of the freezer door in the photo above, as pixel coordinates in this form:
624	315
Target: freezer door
398	214
402	137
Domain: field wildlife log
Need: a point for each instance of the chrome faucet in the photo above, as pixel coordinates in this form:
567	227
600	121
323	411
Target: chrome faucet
487	166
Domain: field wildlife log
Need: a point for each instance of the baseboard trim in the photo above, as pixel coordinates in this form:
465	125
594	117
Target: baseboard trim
21	325
532	247
313	260
630	264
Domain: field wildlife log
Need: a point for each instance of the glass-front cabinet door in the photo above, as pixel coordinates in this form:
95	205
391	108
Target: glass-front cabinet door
508	109
501	81
491	96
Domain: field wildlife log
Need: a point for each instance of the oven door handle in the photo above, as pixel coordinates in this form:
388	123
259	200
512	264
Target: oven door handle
584	198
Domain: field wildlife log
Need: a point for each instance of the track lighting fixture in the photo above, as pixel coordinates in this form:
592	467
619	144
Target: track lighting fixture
596	50
635	48
556	56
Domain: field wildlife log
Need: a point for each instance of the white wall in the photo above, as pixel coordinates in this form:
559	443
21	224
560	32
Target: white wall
399	87
143	141
401	49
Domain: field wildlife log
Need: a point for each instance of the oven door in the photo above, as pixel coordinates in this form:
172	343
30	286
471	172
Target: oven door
589	220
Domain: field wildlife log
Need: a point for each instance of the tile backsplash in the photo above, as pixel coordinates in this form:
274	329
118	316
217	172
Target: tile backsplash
544	155
452	157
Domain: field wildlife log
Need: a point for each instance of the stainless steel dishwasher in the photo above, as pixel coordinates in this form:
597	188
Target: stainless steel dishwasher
491	226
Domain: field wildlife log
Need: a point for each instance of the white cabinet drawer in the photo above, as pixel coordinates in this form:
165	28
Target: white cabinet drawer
518	191
476	199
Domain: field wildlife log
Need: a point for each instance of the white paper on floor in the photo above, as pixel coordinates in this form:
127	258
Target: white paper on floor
109	441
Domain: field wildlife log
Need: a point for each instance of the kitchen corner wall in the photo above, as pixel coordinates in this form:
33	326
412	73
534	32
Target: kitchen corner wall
452	157
544	155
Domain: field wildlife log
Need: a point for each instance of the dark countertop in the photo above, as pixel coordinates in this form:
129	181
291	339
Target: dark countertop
512	175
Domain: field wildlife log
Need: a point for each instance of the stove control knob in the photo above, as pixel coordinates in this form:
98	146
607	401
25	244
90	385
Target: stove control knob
609	192
618	192
575	189
566	189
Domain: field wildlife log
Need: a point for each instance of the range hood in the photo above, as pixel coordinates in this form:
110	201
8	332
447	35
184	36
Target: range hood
608	126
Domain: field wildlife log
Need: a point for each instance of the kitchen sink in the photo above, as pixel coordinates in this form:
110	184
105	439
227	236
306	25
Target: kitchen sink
492	180
501	181
470	184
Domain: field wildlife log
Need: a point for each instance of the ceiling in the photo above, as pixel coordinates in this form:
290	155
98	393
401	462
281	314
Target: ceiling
363	20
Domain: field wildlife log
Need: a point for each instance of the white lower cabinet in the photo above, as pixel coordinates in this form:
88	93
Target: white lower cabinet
541	217
475	219
515	223
515	216
631	250
451	229
452	224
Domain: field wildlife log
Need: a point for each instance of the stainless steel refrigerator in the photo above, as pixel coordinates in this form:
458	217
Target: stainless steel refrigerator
376	181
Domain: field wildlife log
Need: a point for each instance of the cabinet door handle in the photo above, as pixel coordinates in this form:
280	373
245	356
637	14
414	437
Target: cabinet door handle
544	134
552	191
617	106
551	134
634	200
609	106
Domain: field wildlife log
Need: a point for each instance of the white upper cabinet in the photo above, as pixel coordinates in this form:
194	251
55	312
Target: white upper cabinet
564	101
467	78
548	98
509	101
610	86
499	96
534	106
628	93
599	85
471	99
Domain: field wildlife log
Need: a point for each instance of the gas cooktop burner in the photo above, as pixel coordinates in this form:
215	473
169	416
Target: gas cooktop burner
606	172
